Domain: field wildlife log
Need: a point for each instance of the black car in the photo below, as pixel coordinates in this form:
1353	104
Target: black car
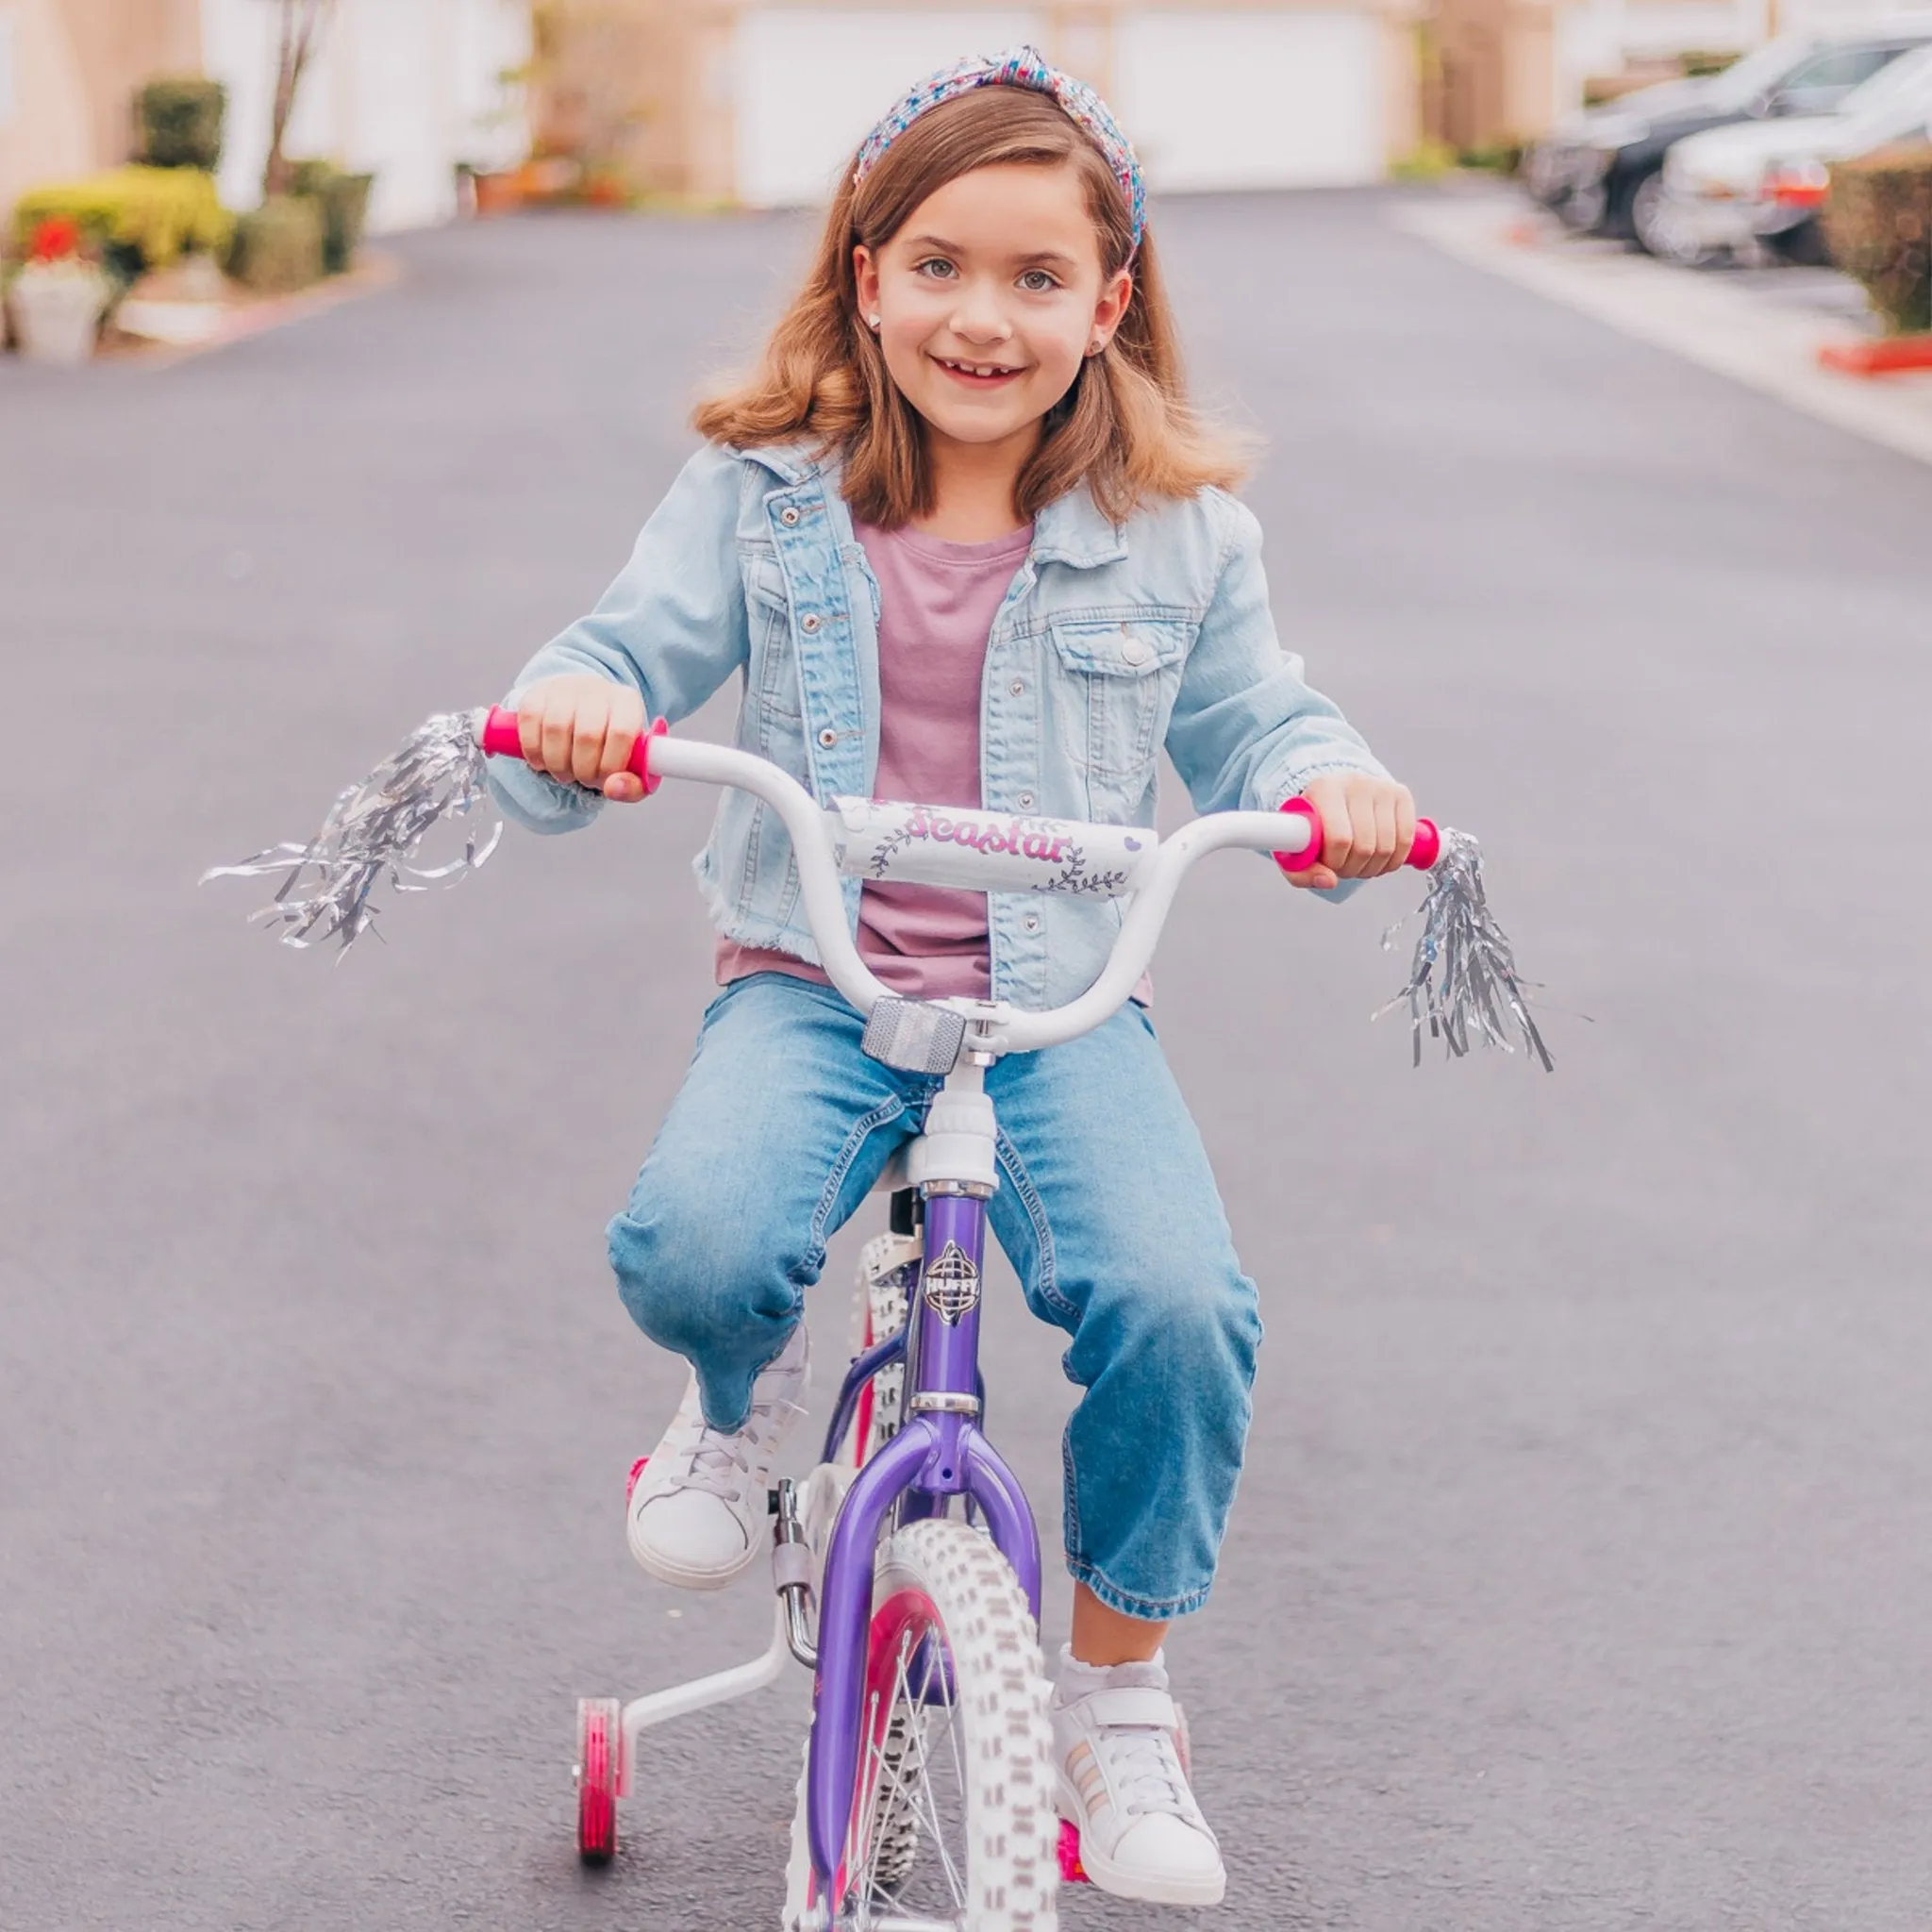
1602	172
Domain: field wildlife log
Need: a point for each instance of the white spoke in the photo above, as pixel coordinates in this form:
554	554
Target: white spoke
931	1806
902	1782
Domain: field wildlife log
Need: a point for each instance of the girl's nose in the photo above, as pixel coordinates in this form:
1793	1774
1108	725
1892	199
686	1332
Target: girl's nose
980	317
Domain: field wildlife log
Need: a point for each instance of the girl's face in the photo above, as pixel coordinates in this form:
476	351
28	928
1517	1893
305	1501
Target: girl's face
989	298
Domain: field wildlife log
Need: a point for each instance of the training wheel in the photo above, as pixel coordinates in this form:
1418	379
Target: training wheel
600	1741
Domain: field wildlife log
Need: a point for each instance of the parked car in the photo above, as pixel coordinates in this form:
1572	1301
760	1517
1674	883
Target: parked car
1603	171
1765	181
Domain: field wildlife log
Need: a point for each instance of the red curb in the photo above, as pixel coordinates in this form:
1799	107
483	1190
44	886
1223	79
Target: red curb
1887	356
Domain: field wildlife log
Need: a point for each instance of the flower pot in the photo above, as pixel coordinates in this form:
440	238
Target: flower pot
344	210
57	311
498	195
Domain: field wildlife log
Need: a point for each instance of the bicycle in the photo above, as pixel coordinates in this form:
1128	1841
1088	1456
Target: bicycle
927	1798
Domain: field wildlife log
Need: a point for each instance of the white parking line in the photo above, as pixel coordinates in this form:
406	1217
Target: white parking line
1765	345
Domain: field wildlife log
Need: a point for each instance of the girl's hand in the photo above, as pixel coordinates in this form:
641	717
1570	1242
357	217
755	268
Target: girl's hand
582	729
1368	825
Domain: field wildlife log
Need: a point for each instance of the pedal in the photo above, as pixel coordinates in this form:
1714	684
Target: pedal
1072	1871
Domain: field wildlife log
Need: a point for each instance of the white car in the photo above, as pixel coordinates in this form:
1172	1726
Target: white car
1764	181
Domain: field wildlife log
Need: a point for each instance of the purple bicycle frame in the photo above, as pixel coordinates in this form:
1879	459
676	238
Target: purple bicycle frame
936	1454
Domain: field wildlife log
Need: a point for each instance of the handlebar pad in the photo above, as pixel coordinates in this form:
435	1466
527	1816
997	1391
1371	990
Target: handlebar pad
501	738
1423	854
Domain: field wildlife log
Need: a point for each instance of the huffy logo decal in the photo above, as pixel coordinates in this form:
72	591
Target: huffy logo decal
952	1283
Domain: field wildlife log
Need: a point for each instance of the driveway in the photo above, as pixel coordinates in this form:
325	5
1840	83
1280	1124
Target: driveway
1581	1578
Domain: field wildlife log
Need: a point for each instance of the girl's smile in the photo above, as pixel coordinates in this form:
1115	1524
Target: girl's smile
978	376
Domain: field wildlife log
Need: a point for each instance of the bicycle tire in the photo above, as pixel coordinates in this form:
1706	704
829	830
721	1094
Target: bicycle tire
964	1830
888	1267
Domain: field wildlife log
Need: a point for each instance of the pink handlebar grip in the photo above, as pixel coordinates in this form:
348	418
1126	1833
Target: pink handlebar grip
1423	852
501	738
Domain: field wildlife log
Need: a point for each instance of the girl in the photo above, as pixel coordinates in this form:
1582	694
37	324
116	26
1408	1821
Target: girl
967	545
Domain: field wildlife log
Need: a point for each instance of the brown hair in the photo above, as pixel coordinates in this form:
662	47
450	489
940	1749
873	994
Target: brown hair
1125	428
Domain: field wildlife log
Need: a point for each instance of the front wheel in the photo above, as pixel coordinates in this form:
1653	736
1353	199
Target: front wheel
1656	228
953	1819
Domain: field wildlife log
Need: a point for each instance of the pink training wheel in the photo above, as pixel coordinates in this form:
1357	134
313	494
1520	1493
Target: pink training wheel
600	1744
1072	1871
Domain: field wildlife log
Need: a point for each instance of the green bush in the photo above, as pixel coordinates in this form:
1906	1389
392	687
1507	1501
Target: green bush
345	202
178	123
1502	156
1428	160
133	217
1878	222
278	245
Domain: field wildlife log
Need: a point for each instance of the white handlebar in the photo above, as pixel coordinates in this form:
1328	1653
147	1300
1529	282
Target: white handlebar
1153	868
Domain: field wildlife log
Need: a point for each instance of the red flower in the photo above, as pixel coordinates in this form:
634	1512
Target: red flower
54	239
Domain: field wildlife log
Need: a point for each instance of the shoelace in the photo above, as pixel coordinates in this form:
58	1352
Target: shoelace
1148	1770
714	1454
712	1458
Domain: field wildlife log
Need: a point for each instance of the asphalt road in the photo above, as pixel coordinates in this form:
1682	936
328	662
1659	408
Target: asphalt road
1582	1575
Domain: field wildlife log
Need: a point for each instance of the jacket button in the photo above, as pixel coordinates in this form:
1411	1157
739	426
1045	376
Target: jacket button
809	622
1134	651
1018	688
1026	801
1032	921
829	738
788	516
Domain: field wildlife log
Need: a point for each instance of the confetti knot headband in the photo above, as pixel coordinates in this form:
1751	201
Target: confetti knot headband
1017	67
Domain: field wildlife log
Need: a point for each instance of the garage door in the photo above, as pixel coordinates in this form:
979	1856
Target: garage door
810	83
1290	99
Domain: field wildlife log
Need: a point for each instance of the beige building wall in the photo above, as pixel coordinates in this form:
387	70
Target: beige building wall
74	67
675	63
643	83
1497	64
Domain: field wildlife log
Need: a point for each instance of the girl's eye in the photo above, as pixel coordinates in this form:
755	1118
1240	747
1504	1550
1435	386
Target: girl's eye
1035	281
937	267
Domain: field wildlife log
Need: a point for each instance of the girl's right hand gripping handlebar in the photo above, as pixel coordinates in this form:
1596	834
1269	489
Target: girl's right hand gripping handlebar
502	738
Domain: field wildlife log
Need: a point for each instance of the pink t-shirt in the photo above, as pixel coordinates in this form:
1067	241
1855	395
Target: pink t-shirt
937	604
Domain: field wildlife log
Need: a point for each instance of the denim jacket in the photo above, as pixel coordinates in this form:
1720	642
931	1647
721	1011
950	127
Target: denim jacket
1113	642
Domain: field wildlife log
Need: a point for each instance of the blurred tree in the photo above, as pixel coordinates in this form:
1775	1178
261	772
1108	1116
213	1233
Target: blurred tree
302	25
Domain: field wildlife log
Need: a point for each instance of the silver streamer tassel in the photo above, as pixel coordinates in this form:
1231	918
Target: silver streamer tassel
372	831
1462	979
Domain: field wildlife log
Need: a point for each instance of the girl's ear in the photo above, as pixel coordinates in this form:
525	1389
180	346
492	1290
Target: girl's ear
1114	298
865	277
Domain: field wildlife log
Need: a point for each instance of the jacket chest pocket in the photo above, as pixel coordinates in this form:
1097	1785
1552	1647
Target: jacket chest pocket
773	682
1117	680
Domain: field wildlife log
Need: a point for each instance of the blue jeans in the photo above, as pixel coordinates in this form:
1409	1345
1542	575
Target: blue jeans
1106	1209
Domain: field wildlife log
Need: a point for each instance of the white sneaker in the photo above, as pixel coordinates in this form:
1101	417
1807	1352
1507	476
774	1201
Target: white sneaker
699	1504
1123	1785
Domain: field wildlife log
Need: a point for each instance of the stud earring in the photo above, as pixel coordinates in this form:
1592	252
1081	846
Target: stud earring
873	321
